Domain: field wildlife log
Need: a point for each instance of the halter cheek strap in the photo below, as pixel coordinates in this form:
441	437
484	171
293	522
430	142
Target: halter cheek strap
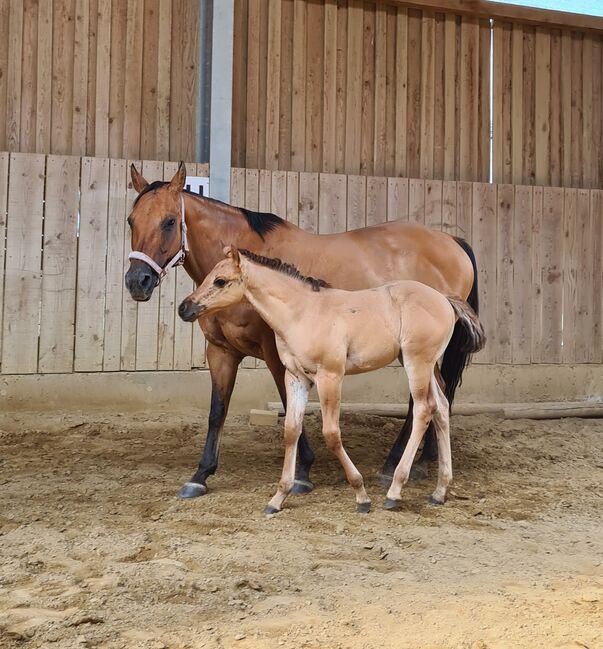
176	260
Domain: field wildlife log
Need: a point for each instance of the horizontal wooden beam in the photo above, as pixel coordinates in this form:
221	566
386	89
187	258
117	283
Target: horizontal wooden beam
508	12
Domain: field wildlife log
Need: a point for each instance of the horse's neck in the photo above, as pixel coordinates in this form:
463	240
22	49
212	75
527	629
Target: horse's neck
211	226
276	297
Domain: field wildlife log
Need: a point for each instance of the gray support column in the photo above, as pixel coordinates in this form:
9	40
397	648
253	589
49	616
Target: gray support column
221	100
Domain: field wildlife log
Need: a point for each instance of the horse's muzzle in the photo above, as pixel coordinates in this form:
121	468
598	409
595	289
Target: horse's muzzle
140	282
189	311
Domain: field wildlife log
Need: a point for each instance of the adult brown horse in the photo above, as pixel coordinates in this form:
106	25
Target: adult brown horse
170	225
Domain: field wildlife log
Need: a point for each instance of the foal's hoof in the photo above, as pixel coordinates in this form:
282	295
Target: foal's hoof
392	503
419	471
302	487
435	500
363	508
192	490
269	509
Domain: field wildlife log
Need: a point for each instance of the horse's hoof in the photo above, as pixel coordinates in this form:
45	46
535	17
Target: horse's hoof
392	503
436	501
302	487
419	471
385	478
192	490
363	508
269	509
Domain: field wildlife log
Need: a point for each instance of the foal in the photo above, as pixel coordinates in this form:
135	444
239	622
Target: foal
322	335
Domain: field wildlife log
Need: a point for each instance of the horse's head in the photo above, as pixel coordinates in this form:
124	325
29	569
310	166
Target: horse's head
157	235
221	288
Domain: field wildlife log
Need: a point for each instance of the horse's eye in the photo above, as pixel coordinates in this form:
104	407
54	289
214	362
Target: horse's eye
169	223
130	221
219	282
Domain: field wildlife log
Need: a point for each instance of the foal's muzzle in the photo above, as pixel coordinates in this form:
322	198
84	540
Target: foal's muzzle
189	311
140	281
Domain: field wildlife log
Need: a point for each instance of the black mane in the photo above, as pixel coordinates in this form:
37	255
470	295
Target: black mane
284	267
260	222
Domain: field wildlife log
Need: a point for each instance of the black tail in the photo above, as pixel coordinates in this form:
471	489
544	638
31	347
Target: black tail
455	359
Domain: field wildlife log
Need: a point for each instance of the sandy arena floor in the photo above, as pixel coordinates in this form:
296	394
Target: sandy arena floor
96	551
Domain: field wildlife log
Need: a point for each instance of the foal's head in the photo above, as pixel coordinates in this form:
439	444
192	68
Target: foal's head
222	287
155	222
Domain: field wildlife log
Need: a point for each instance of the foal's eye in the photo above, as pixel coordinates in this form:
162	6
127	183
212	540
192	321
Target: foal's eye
219	282
169	223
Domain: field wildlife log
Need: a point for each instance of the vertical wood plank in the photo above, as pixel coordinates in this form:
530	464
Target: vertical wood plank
551	280
57	317
92	247
150	67
517	104
577	117
556	105
543	106
586	297
332	203
329	125
397	199
308	202
427	94
80	75
433	204
416	201
114	281
119	24
413	114
356	199
450	83
380	89
596	238
272	85
4	32
133	86
253	85
164	64
537	295
566	111
464	211
401	89
529	105
14	76
293	197
44	77
27	138
278	195
504	273
376	200
239	81
588	166
298	100
23	262
484	243
469	109
62	70
522	275
341	55
449	206
103	78
314	84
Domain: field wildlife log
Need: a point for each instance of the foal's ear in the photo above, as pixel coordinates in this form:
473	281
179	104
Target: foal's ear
177	182
138	180
230	252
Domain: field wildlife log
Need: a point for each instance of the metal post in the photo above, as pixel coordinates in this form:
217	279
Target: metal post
221	100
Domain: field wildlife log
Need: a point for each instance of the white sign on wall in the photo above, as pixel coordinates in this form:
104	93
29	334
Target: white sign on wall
197	185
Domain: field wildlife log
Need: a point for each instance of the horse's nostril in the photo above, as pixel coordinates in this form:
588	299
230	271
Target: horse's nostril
146	281
182	309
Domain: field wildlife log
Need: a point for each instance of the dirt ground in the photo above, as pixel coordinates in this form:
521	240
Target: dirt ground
96	551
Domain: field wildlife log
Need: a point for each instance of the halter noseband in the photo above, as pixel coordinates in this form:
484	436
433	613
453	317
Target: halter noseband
176	260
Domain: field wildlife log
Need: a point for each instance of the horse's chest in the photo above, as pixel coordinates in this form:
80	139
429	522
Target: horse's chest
230	335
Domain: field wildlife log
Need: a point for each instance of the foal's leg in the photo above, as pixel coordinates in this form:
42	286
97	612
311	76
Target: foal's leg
302	484
419	377
297	398
223	367
329	393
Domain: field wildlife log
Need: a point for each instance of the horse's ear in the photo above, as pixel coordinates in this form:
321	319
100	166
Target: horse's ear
138	180
230	252
177	182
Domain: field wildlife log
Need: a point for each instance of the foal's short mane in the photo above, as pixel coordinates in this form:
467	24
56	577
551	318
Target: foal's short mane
285	268
260	222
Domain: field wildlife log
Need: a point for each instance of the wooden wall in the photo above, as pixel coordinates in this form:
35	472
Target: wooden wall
375	88
548	110
99	77
64	308
360	88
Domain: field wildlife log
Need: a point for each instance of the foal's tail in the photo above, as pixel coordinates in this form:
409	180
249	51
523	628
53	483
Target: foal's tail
467	318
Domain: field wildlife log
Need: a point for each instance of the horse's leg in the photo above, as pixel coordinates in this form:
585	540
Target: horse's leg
302	484
297	397
419	376
223	366
441	420
419	469
329	393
